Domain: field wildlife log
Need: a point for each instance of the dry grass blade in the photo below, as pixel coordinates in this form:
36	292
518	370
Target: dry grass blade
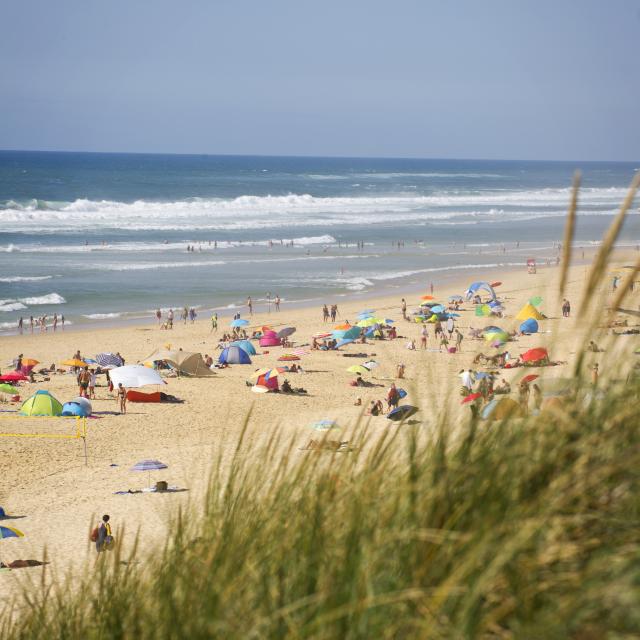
569	231
600	263
625	287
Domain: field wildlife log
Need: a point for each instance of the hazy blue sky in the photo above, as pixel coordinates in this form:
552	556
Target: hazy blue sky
543	79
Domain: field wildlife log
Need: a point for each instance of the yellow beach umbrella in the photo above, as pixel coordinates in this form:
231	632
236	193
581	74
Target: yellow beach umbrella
369	322
74	362
358	368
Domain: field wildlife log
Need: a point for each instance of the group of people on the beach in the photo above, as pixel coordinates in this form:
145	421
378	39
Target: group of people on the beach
41	323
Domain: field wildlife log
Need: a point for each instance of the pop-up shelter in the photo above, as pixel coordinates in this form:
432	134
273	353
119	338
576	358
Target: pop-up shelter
41	403
529	311
234	355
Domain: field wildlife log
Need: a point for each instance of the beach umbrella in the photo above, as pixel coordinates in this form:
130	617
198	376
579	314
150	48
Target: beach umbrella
134	375
456	299
365	311
342	343
529	326
352	334
29	362
369	322
149	466
74	362
13	376
483	310
7	388
358	368
268	373
427	297
371	364
402	412
10	532
496	335
108	360
239	322
362	316
321	335
345	326
288	357
388	321
470	398
286	332
535	355
530	378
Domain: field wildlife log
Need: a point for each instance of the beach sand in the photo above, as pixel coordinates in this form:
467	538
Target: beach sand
47	482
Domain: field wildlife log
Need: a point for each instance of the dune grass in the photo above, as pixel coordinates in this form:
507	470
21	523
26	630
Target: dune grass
526	528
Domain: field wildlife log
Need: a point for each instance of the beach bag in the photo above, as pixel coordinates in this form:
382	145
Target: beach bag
452	349
94	535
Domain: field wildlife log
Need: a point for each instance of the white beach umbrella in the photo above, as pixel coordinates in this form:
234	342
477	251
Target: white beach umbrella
135	375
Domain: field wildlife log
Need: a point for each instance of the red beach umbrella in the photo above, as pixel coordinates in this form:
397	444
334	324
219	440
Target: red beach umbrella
530	378
535	355
471	397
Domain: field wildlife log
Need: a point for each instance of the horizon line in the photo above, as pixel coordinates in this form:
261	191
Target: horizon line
308	156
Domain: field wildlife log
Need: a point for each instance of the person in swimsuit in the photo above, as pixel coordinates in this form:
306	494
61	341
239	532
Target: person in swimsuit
84	378
121	398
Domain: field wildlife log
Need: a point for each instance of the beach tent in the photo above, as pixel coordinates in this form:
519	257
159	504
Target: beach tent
530	325
268	383
501	408
475	287
496	334
77	407
186	363
41	403
529	311
270	339
234	355
245	345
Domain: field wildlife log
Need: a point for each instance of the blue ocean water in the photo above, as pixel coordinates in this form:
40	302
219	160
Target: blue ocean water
104	236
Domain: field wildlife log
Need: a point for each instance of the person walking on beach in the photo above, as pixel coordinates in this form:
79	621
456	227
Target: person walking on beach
277	302
192	314
31	323
325	313
566	308
92	384
250	305
84	378
159	316
459	339
170	319
214	323
20	325
184	315
424	335
121	398
334	312
62	321
104	536
404	309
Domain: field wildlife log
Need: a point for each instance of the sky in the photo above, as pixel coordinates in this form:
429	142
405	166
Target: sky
500	79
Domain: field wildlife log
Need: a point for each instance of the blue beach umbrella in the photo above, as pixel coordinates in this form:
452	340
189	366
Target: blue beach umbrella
342	343
438	308
367	312
239	322
352	334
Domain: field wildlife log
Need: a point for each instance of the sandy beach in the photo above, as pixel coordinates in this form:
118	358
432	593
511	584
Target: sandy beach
46	483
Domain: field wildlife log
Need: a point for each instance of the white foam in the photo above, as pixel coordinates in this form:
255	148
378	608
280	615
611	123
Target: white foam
50	298
11	305
294	210
25	278
101	316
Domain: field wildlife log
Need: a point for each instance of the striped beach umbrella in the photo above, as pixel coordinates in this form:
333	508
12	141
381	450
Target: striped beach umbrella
109	360
10	532
149	466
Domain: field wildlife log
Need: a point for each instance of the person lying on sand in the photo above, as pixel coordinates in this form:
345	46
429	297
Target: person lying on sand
22	564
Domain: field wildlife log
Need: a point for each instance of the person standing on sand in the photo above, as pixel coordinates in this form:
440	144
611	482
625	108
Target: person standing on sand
84	378
250	305
404	309
566	308
55	322
92	384
159	316
277	302
121	398
325	313
214	323
450	327
104	539
400	371
20	325
459	339
62	321
170	319
31	323
424	335
334	312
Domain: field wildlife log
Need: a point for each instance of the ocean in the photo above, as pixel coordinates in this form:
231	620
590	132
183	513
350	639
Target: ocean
103	237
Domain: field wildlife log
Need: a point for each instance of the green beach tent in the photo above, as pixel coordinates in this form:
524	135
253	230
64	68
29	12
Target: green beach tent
41	403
